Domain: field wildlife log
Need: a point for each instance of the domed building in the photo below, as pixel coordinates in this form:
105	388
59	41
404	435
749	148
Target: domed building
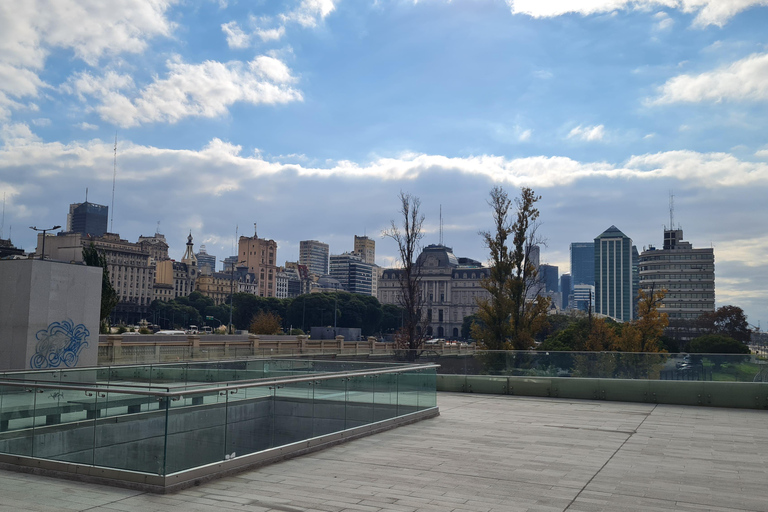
450	287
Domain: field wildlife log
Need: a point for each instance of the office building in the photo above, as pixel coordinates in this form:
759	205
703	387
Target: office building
156	246
314	255
450	288
565	289
548	276
87	219
220	285
353	274
365	248
229	263
175	279
260	255
582	263
614	295
583	297
687	275
205	260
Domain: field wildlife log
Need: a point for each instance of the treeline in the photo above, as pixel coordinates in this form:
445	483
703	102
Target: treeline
299	313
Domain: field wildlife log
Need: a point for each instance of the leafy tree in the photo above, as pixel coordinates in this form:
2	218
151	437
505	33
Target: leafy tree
407	234
265	323
93	258
466	325
515	312
727	321
717	344
391	318
644	333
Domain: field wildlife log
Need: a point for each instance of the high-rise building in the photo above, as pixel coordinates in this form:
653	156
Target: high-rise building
582	263
230	262
260	255
353	273
365	248
205	260
548	277
687	275
314	255
583	298
565	289
87	219
614	295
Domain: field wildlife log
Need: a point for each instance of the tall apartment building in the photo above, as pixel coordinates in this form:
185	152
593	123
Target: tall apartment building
614	294
314	255
87	219
365	248
260	255
205	260
354	275
582	263
687	275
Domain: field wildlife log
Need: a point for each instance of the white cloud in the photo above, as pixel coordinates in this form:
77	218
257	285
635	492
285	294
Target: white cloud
744	80
649	136
236	38
235	171
87	126
272	34
310	12
663	21
587	133
189	90
708	12
41	121
524	136
31	29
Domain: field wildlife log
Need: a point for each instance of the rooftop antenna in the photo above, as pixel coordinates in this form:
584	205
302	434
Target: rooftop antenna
671	211
114	177
157	230
441	224
86	194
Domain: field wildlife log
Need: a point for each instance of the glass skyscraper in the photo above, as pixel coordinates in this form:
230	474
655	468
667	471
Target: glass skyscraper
614	262
582	263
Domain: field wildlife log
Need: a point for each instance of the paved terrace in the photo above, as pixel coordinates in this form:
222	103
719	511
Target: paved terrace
484	453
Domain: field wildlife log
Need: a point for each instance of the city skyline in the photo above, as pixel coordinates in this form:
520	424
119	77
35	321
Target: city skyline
309	117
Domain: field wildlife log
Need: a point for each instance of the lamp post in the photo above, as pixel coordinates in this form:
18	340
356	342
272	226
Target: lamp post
42	253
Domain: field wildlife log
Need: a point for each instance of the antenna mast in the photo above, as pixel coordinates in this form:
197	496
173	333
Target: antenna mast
441	224
671	211
114	177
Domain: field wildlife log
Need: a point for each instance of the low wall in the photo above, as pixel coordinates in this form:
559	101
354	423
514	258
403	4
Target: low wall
746	395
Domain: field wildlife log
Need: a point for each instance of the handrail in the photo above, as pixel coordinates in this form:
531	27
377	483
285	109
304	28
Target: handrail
252	383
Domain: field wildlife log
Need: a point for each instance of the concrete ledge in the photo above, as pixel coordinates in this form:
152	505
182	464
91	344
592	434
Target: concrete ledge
183	479
742	395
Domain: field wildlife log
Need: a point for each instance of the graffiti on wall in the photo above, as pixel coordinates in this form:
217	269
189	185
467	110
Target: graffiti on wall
59	344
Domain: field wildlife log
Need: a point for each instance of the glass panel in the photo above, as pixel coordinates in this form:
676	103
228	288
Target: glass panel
61	430
136	440
407	393
293	412
249	420
196	435
427	389
329	413
384	396
17	406
359	401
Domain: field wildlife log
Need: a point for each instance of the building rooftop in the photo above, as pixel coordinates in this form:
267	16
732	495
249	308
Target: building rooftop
484	453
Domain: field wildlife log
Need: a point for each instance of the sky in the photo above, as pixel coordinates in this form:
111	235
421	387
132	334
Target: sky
309	117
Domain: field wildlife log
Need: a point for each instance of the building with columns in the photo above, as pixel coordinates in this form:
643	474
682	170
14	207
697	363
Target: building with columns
450	287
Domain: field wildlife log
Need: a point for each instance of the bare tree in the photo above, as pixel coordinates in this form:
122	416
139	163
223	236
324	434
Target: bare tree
515	311
407	237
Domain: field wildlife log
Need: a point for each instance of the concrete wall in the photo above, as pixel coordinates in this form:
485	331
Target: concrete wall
49	314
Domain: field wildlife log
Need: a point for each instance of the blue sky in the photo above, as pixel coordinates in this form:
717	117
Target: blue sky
309	117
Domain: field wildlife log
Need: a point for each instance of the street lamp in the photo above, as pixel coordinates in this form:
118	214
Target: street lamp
42	253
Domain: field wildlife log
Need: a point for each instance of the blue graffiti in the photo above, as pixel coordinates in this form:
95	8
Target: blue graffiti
61	343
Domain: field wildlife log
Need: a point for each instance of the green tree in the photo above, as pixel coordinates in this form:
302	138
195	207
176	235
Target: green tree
727	321
93	258
717	344
265	323
515	312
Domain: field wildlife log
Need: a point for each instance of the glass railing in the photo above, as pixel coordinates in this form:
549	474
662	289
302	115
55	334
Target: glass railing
603	365
165	419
